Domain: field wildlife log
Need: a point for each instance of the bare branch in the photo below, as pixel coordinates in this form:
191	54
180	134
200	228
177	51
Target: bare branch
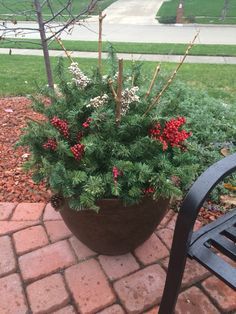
153	80
55	15
63	47
89	9
110	82
171	78
101	18
119	92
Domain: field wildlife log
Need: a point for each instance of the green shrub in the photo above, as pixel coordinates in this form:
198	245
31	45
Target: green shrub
84	150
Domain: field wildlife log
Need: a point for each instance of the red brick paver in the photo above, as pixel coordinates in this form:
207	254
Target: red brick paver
50	213
7	227
81	250
167	218
118	266
166	236
6	210
46	260
193	272
193	301
48	294
66	277
89	287
12	297
114	309
57	230
142	289
30	239
7	258
172	222
151	250
66	310
223	295
28	211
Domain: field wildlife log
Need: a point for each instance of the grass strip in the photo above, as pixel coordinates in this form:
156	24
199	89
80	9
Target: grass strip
199	11
121	47
11	9
20	75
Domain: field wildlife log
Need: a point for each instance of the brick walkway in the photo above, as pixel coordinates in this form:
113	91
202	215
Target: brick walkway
44	269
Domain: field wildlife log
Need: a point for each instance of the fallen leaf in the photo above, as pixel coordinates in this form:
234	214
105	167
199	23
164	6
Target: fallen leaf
225	151
228	199
230	187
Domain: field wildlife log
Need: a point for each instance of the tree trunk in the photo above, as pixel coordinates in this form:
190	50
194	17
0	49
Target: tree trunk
44	43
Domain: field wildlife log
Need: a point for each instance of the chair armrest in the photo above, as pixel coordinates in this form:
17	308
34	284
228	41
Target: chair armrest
202	187
184	227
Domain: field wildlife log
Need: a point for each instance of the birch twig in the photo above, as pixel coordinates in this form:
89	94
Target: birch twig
171	78
62	46
119	92
158	67
110	82
101	18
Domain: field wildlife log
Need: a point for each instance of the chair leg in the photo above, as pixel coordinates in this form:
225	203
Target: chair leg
173	282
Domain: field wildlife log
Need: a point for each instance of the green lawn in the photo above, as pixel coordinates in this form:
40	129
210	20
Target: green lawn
200	11
19	74
13	6
143	48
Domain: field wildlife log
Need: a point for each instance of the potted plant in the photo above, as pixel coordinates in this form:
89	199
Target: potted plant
109	155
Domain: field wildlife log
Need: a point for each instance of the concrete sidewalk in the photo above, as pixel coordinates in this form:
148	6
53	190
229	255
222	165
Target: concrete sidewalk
133	12
125	56
209	34
45	269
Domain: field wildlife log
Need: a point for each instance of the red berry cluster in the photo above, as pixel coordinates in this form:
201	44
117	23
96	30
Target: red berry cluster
78	151
61	125
86	124
116	173
51	144
170	134
149	190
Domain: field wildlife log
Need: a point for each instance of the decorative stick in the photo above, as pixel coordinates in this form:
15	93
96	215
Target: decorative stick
101	18
133	77
171	78
119	92
158	67
62	46
110	82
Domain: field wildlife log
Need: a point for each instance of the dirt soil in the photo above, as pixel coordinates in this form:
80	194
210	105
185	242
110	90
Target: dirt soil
15	184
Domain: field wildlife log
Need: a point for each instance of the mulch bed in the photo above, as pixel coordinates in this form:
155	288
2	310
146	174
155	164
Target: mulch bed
16	185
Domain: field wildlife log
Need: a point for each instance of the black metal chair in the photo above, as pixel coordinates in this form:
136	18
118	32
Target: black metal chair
202	245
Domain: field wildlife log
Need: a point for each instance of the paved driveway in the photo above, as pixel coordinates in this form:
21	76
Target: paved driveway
133	12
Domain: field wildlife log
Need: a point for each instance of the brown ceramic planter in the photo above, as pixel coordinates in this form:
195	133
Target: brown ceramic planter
115	229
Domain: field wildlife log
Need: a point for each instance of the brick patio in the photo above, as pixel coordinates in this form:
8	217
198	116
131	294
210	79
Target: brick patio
44	269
